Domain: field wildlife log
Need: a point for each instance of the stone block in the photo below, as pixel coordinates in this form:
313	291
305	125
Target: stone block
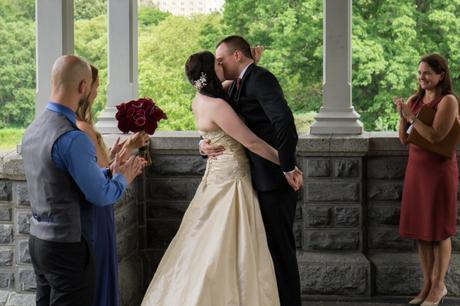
6	279
384	215
23	252
385	191
131	270
5	214
126	218
346	168
11	166
317	216
127	242
129	197
318	167
161	232
21	194
23	222
400	274
347	216
6	190
20	299
327	191
330	240
4	294
171	189
26	280
6	256
166	165
388	239
334	274
386	168
165	210
6	233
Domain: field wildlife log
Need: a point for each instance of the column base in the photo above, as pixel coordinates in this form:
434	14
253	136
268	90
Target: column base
107	123
341	122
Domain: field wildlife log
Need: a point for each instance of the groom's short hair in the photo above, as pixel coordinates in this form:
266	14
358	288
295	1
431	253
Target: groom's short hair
235	42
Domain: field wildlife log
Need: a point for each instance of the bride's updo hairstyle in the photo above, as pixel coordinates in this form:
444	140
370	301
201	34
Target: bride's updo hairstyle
201	73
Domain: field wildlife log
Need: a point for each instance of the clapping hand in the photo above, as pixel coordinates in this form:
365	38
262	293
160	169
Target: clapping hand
129	169
294	178
402	107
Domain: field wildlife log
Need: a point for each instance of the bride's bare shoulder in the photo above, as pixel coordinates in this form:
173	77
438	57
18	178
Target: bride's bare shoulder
208	101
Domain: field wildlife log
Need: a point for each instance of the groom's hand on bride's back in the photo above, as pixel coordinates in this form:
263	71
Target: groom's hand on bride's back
210	150
129	169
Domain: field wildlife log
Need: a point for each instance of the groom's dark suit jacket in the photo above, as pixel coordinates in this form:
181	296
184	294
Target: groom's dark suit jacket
261	104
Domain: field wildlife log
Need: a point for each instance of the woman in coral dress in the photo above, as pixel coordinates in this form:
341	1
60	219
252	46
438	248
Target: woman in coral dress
429	202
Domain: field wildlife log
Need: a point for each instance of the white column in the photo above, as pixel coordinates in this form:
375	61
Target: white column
122	66
337	115
54	37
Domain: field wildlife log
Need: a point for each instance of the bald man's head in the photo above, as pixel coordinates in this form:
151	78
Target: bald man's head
68	73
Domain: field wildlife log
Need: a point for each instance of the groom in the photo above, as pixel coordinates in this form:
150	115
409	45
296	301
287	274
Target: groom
257	97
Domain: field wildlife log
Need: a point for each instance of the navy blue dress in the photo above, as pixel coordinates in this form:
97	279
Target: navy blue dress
105	250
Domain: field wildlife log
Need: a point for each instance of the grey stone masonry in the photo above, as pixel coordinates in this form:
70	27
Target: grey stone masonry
346	225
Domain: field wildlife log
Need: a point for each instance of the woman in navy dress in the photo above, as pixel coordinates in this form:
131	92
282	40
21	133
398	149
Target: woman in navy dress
104	239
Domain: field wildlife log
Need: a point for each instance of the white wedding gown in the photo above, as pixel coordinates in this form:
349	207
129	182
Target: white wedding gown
219	256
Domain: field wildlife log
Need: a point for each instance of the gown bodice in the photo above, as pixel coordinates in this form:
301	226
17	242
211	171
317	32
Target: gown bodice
232	165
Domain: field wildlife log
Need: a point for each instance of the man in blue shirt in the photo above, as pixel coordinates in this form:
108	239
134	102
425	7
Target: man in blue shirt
63	179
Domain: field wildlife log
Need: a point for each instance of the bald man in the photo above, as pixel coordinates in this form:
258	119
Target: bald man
64	183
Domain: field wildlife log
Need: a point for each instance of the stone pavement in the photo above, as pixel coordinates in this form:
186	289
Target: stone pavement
377	301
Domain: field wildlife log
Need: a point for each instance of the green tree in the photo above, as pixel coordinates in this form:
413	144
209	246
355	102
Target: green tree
17	72
163	50
84	9
291	31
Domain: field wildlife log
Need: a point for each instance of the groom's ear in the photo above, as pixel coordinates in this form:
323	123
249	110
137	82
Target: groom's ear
238	55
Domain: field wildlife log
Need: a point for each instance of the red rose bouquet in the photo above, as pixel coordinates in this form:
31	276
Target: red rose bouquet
139	115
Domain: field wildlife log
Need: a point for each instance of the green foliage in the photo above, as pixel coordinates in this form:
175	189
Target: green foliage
388	39
149	16
17	72
91	44
84	9
10	137
292	33
163	50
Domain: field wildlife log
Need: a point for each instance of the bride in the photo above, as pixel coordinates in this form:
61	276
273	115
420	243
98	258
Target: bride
219	256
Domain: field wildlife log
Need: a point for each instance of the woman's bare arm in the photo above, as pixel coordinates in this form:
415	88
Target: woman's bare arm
225	117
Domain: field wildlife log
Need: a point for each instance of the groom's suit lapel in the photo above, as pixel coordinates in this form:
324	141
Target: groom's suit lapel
236	94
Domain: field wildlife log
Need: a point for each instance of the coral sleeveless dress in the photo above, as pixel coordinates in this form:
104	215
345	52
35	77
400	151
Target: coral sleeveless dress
429	201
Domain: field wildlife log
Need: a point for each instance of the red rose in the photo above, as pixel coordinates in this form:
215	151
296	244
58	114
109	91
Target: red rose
139	115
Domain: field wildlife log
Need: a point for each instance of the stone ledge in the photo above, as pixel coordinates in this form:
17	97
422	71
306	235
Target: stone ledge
334	274
11	166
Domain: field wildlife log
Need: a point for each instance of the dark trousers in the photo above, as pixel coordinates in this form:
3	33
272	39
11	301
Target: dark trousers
278	212
65	272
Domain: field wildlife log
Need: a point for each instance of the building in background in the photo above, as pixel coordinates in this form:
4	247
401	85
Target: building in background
186	7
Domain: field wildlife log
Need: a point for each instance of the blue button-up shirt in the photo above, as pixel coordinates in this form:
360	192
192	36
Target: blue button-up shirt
75	152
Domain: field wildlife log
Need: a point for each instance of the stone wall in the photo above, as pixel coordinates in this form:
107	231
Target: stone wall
346	226
347	221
